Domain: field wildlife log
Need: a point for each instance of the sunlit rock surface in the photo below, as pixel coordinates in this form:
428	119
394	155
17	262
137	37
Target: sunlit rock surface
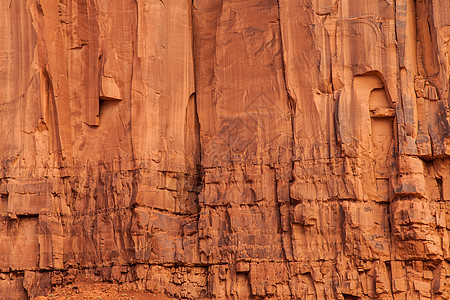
226	148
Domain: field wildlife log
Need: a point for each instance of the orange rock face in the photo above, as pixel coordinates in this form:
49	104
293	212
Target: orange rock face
226	148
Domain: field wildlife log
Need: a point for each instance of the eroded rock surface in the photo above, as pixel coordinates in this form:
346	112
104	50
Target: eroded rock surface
226	148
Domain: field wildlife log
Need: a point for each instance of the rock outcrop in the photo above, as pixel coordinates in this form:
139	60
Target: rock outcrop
227	148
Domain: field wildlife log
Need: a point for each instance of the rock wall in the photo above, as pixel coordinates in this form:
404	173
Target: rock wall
226	149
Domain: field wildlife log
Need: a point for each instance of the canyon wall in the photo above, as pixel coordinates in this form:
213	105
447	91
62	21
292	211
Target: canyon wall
226	148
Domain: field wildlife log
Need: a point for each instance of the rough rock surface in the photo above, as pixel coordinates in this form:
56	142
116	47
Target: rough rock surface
226	148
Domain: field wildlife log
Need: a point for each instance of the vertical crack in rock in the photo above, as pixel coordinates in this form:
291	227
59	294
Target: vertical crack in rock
285	209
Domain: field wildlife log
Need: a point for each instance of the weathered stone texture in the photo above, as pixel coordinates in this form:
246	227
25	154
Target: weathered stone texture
226	148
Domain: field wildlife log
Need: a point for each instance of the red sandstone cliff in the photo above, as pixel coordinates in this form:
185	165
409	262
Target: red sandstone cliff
226	148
